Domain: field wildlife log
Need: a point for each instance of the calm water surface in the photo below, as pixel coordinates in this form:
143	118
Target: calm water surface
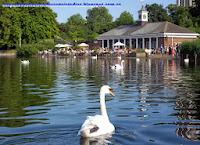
157	101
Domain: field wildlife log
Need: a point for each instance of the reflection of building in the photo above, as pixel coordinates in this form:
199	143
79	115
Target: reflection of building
147	35
185	3
189	133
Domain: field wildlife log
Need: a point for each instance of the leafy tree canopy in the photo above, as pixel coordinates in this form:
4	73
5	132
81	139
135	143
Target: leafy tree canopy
26	24
182	17
99	20
124	19
77	27
157	13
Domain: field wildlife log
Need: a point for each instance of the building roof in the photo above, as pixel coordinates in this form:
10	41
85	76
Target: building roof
148	28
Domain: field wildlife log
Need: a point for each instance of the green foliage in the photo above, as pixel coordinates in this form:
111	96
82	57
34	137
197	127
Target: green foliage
188	17
26	24
195	29
27	50
77	29
157	13
93	36
99	20
171	8
32	49
74	29
125	19
64	30
76	20
190	47
182	17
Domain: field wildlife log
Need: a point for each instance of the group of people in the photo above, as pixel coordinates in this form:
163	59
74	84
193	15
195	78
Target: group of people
116	51
171	50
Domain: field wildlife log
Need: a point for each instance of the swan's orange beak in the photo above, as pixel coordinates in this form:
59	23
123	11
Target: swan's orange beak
112	93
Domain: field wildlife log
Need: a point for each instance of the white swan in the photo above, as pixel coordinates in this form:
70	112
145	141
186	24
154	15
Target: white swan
118	66
119	57
99	124
25	61
94	57
186	60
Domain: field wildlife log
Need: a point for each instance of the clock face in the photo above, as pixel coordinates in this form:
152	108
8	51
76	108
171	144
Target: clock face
144	16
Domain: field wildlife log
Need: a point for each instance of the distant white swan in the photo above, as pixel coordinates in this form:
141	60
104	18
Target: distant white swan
119	57
25	61
94	57
99	124
118	66
186	60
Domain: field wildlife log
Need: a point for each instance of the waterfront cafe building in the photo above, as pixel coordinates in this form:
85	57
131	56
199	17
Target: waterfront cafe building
147	35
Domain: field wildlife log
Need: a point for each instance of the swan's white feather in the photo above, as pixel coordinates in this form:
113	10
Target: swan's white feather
186	60
94	57
102	122
137	59
25	61
99	124
118	66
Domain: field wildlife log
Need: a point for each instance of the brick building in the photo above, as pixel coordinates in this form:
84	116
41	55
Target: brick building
146	34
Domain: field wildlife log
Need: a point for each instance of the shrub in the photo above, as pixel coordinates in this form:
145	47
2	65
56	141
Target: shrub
190	47
27	50
32	49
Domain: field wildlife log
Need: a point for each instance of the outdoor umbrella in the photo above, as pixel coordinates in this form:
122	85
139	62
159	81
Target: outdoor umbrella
62	45
118	44
83	45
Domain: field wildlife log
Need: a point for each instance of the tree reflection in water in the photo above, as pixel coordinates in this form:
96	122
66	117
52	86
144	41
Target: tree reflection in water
25	91
188	116
188	106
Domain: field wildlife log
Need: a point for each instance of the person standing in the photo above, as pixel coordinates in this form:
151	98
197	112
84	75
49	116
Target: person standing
177	50
173	51
170	50
161	49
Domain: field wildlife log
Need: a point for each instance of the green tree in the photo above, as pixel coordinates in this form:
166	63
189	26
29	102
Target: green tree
77	27
171	9
99	20
124	19
64	30
28	24
182	17
157	13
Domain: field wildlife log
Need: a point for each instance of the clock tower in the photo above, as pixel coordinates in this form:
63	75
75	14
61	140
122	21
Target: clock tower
143	15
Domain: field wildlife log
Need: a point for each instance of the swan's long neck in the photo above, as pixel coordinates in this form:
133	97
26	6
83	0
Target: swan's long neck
122	63
103	105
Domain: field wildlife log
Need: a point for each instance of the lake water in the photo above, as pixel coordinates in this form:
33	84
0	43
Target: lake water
157	101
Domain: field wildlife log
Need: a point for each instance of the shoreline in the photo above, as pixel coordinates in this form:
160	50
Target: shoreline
163	56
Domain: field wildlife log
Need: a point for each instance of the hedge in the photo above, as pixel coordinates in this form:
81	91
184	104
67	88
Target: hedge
190	47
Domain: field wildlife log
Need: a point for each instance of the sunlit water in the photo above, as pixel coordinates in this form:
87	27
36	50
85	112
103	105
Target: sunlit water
157	101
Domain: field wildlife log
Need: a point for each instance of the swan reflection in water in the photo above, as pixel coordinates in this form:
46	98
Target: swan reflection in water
100	140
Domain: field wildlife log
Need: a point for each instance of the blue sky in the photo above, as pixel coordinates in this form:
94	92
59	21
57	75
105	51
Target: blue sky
131	6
